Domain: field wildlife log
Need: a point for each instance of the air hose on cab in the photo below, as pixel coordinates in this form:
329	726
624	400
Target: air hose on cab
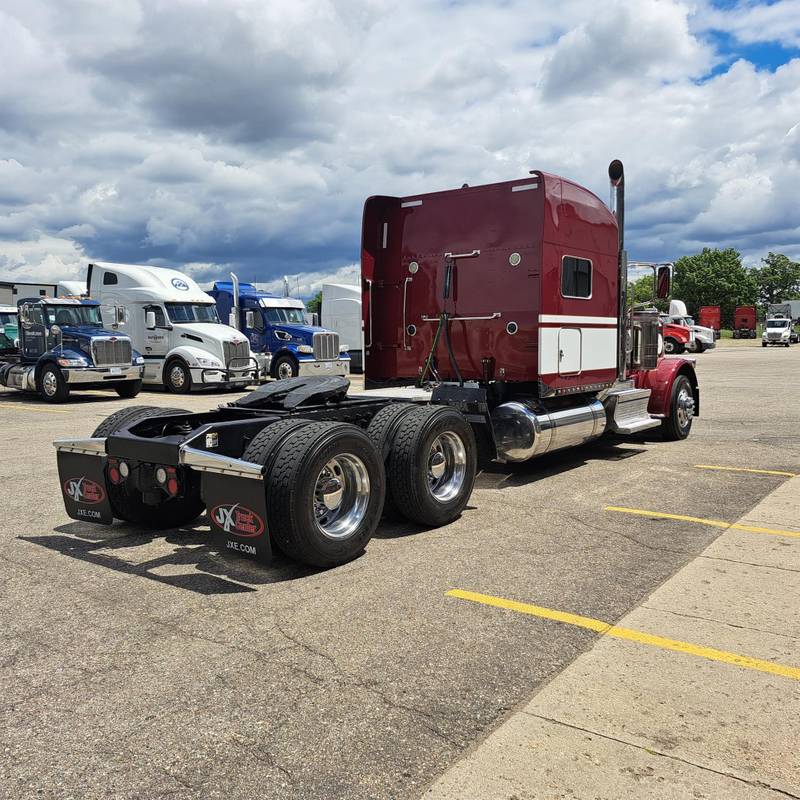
444	325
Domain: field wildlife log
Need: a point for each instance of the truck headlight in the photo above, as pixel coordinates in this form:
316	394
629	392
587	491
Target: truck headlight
305	348
139	360
209	362
72	362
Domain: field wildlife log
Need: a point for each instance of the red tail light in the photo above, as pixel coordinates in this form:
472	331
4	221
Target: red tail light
113	471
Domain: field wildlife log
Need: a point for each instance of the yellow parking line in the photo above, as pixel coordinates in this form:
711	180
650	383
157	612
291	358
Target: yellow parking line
23	407
607	629
714	523
745	469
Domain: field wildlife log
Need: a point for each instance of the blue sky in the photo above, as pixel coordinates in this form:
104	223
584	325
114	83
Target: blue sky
250	141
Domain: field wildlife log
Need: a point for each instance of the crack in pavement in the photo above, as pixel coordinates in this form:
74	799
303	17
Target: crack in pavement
720	622
651	751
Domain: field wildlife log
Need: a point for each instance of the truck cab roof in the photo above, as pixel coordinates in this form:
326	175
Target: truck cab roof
264	299
142	283
58	301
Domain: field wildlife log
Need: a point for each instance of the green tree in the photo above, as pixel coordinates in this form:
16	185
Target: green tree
714	278
314	305
778	279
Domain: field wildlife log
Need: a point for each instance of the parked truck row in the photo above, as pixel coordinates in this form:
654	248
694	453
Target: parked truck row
172	330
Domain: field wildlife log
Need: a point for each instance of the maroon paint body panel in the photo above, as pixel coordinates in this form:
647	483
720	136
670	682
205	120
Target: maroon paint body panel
710	317
523	229
744	318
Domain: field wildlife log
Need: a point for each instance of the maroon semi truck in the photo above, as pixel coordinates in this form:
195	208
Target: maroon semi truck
744	322
711	317
495	329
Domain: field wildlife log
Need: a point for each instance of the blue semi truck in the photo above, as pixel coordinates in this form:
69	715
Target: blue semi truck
63	346
278	332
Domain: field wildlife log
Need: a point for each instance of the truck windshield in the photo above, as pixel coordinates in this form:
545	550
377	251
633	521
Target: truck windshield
8	318
278	316
192	312
74	315
777	323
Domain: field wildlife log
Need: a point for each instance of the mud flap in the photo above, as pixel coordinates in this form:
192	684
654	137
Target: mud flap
237	512
83	486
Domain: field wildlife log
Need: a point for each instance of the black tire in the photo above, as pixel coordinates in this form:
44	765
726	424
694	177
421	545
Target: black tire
129	389
177	376
409	478
285	364
292	480
699	347
752	334
382	430
673	346
763	344
51	385
126	502
679	423
736	334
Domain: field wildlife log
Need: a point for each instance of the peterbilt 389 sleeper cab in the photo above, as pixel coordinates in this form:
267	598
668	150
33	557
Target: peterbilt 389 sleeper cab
497	315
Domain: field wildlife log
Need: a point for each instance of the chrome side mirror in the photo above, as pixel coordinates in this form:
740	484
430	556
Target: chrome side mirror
150	320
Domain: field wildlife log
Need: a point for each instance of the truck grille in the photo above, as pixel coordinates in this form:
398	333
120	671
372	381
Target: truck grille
775	335
111	352
237	355
326	346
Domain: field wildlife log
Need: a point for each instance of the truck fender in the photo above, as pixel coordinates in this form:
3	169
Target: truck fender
190	355
46	360
660	381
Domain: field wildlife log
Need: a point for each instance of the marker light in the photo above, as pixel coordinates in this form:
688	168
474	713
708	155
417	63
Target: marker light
124	469
161	475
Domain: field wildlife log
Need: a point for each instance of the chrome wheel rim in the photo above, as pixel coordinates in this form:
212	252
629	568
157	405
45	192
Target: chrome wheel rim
177	377
341	496
49	383
447	466
684	407
668	347
285	370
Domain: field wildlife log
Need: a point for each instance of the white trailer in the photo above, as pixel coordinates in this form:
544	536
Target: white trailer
174	325
341	312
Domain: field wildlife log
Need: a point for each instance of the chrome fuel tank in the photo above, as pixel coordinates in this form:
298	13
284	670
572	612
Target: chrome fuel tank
524	428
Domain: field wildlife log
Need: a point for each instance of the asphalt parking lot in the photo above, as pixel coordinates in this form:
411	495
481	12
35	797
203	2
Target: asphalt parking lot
136	665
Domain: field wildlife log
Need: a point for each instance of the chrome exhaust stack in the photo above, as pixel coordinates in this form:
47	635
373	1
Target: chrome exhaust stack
524	428
616	176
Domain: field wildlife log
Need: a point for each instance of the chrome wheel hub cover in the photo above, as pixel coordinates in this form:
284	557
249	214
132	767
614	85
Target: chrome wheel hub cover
684	407
341	496
447	466
49	383
177	376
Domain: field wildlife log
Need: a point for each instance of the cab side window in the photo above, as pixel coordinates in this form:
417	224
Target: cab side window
161	320
576	277
258	319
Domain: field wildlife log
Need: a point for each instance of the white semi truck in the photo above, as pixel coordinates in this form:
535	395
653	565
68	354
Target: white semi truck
341	312
174	325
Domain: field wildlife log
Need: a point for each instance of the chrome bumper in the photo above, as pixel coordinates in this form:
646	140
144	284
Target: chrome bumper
338	366
83	447
203	461
101	374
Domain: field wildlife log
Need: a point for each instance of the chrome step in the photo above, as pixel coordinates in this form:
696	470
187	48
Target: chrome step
626	409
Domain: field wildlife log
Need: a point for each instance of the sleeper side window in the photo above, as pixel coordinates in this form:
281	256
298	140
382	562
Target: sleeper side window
576	277
109	279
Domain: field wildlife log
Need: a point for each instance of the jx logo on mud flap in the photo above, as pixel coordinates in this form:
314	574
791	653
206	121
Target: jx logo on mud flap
84	490
238	520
